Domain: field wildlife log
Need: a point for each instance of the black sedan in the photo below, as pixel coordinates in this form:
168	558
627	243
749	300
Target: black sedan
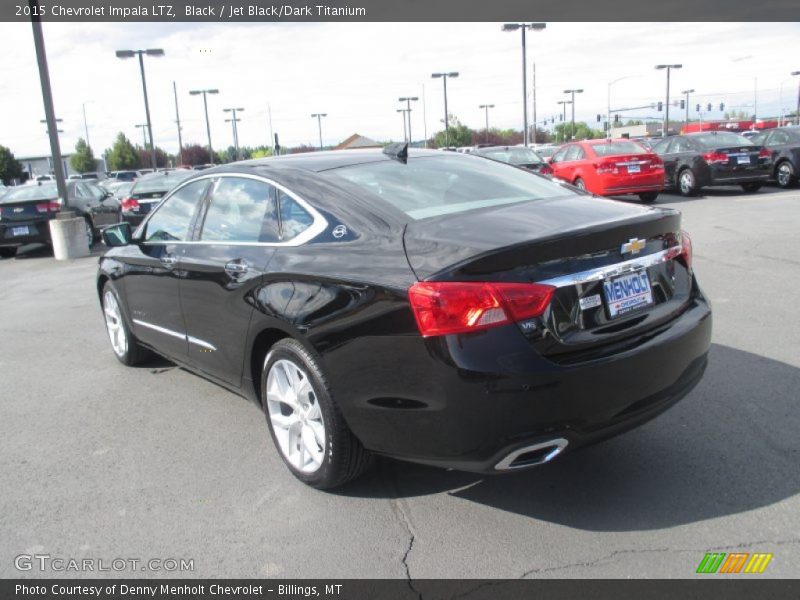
697	160
519	156
25	212
439	307
783	144
147	192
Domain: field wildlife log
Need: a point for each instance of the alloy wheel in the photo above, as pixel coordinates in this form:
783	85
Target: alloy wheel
686	182
89	234
295	415
785	174
116	329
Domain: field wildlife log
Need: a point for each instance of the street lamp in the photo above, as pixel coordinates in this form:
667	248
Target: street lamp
149	52
524	27
669	68
444	77
486	108
608	114
319	116
573	92
208	126
233	120
564	112
405	131
408	100
795	74
686	93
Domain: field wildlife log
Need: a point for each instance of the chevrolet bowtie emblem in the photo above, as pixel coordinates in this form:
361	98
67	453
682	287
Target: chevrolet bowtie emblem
632	246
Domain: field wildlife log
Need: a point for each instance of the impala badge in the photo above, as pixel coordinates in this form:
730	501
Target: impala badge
632	246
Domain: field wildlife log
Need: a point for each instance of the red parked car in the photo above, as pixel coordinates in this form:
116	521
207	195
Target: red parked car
610	168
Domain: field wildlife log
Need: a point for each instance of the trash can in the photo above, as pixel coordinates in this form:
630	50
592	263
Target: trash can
68	233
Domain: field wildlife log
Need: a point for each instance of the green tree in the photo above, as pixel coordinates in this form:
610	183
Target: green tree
10	167
458	134
563	132
122	155
261	152
83	159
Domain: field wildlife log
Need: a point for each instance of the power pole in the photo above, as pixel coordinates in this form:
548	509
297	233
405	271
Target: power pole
178	121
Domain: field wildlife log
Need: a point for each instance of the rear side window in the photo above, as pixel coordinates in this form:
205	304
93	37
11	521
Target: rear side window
294	218
171	221
615	148
241	210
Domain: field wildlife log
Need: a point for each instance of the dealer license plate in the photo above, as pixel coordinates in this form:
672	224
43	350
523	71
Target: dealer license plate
743	159
634	168
20	230
627	293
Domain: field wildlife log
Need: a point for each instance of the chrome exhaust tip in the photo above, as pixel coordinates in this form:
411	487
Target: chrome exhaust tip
530	456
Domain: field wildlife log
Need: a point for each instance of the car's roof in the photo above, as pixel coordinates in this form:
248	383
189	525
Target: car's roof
322	161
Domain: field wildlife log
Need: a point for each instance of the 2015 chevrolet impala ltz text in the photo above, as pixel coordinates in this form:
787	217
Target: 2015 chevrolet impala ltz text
435	307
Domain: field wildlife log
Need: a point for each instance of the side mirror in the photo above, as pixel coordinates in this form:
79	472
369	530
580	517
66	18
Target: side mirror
117	235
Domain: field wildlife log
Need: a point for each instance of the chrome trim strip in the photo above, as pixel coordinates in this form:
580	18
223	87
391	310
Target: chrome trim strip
559	443
319	224
182	336
601	273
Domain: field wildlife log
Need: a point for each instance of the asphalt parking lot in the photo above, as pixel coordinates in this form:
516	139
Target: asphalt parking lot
99	460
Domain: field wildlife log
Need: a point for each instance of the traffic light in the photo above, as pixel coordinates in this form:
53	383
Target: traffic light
697	108
660	106
683	104
598	118
616	118
560	117
721	106
709	107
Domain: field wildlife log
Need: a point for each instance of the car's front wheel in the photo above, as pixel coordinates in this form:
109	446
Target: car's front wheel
687	184
648	197
785	175
307	427
125	345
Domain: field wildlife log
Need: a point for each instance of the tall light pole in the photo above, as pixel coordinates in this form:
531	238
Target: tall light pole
563	104
178	122
408	100
319	116
797	113
686	93
444	77
149	52
524	27
233	121
405	131
486	108
665	130
608	114
85	125
572	101
143	127
208	125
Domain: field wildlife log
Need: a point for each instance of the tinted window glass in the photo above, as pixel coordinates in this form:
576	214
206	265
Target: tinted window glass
681	145
172	218
241	210
662	147
614	148
721	139
294	218
433	186
515	156
759	138
160	182
559	155
31	192
777	137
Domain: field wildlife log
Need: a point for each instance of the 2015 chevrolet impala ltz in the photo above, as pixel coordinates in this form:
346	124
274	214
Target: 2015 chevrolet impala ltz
436	307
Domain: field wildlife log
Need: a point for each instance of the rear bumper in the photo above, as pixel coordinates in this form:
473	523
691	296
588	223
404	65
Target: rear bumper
632	184
726	175
39	233
473	400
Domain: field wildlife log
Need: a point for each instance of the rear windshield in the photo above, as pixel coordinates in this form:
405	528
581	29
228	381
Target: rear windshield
723	138
432	186
514	156
615	148
31	192
159	183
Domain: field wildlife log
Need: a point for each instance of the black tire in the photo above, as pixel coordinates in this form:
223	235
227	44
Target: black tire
578	183
785	175
648	197
686	183
344	458
8	252
91	233
751	187
134	353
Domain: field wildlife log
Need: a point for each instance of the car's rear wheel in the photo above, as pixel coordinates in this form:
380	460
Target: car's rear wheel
89	232
751	187
8	252
578	183
687	184
306	425
785	175
125	345
648	197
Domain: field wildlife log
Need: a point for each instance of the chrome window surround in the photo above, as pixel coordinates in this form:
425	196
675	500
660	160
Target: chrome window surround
318	225
601	273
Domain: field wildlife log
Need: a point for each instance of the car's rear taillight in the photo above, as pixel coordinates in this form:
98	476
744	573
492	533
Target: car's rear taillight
715	157
656	163
606	167
764	153
686	250
129	204
546	169
448	307
51	206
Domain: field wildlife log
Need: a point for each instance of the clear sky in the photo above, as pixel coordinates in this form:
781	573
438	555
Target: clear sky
355	73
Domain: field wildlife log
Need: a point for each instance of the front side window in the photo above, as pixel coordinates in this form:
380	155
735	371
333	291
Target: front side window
171	221
241	210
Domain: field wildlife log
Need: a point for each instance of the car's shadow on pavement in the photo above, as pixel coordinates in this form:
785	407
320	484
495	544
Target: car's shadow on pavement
731	446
